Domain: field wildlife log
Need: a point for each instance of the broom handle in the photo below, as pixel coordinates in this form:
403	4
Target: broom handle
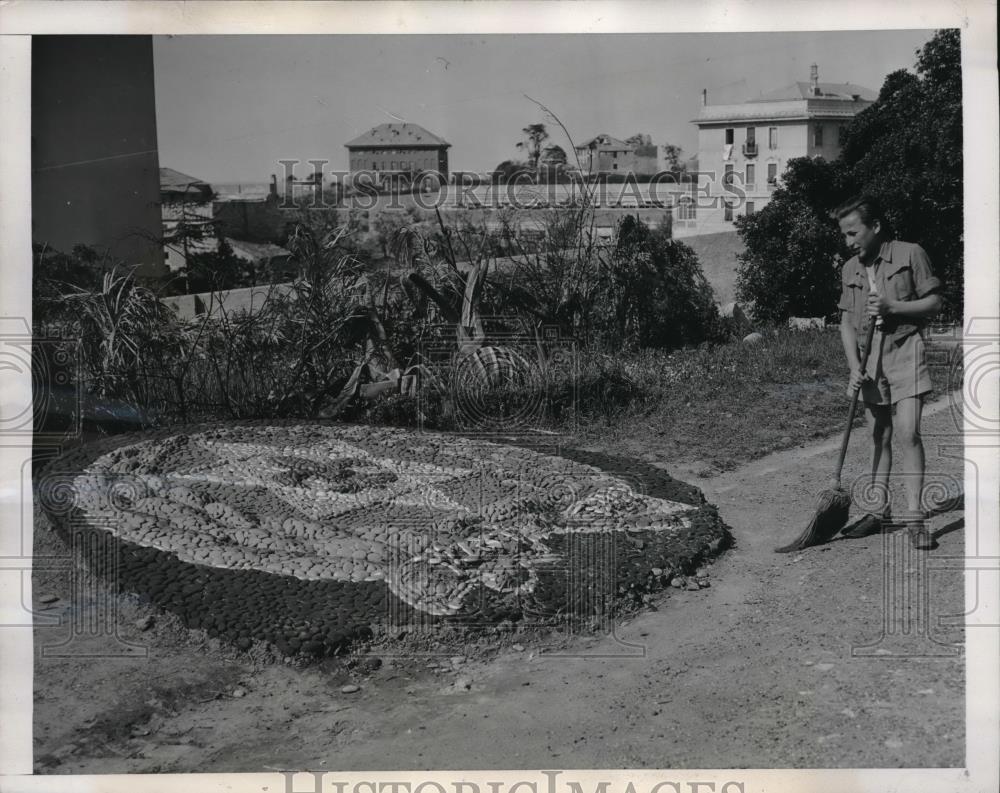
854	402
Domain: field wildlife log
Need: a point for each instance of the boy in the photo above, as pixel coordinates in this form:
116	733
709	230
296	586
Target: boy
892	284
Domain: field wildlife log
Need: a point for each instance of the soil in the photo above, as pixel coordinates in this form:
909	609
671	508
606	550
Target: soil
805	660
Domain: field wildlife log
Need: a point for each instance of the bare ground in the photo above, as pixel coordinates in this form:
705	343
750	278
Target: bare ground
819	659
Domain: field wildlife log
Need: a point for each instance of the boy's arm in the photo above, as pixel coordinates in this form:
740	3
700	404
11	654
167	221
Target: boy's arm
921	308
926	285
849	338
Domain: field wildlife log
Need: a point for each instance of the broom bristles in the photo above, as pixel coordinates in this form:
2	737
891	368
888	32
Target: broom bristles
832	509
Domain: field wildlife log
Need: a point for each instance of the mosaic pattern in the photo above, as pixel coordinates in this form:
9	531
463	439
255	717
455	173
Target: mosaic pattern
360	525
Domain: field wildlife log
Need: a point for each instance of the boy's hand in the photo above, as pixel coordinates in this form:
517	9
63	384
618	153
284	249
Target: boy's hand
855	380
878	306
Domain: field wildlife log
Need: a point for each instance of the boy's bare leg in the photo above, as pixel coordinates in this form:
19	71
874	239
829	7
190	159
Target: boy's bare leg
908	415
880	424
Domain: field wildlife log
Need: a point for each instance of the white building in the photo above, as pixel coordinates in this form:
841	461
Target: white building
746	146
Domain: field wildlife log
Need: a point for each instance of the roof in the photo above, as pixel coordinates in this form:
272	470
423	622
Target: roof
397	135
803	90
782	110
177	182
795	102
256	251
605	142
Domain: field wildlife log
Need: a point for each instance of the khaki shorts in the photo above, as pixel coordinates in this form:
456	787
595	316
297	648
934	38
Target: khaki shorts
897	371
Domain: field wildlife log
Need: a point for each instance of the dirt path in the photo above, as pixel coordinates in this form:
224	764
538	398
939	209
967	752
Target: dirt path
818	659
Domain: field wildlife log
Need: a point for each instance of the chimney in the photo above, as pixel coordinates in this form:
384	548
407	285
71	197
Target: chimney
704	97
814	79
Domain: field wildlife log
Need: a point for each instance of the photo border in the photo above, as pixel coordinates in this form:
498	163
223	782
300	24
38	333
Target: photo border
976	19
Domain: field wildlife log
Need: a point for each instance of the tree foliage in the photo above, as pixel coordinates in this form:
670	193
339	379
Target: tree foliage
509	170
906	150
554	155
534	136
672	156
656	294
211	271
788	268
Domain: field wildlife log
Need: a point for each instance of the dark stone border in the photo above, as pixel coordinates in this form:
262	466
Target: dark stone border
324	617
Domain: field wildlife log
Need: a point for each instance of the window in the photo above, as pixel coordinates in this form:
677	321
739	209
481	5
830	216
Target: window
841	134
751	175
615	155
818	135
686	209
392	166
727	178
772	138
730	133
614	167
374	165
751	136
727	210
750	208
772	172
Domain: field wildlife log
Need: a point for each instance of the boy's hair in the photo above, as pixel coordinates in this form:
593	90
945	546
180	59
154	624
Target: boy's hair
867	207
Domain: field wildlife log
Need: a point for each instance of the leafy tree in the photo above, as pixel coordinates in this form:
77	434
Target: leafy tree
552	166
509	169
672	155
554	155
534	136
212	271
788	267
655	294
906	149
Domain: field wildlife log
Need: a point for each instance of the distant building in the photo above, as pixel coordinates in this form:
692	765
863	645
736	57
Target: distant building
94	160
186	214
267	258
252	216
194	221
748	145
604	154
399	148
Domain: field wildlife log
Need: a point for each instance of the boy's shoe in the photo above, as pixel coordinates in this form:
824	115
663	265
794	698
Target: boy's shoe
866	526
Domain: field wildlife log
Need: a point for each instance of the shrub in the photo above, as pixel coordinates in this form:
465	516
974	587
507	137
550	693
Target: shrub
654	293
905	150
789	265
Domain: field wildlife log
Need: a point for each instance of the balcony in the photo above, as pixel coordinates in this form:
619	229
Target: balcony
749	149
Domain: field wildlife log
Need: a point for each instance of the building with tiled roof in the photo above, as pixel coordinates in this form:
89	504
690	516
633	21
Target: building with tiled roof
400	148
743	148
605	154
175	185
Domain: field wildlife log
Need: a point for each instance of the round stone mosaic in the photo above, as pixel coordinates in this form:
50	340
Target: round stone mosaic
306	535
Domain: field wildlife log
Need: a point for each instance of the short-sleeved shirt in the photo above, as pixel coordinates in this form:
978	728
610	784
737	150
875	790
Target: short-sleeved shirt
902	271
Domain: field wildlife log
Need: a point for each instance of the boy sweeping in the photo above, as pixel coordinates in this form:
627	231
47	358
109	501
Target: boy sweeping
892	284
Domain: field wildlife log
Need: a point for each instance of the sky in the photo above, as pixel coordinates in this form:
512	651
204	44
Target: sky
229	108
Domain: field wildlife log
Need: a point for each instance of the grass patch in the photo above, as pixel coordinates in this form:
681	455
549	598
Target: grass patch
725	404
720	405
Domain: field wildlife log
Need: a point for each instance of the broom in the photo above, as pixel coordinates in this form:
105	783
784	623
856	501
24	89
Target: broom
834	505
